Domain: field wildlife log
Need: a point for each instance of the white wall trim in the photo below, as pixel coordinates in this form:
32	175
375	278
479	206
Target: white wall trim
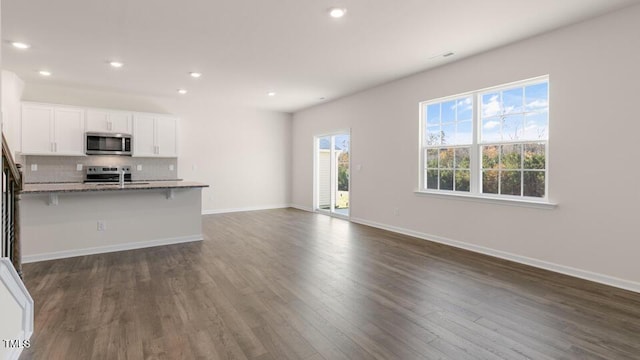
567	270
110	248
302	207
9	277
250	208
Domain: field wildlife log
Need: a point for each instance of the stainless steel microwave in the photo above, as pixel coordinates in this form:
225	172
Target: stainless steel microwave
108	144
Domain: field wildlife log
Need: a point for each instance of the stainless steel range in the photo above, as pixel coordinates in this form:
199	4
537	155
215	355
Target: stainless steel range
107	174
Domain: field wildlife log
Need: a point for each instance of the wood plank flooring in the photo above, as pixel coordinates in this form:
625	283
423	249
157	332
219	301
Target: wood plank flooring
287	284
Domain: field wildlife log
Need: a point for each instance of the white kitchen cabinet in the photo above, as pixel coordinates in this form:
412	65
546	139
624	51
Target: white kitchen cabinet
109	121
52	130
155	136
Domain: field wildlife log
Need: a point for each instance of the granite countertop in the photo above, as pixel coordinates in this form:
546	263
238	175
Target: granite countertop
86	187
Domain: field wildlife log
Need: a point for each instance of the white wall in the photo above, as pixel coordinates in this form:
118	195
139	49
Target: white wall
12	87
133	219
243	154
594	70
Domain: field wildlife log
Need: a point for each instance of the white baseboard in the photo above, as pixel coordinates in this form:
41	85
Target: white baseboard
250	208
109	248
567	270
301	207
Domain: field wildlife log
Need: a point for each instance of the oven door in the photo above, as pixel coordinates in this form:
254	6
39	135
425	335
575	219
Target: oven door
108	144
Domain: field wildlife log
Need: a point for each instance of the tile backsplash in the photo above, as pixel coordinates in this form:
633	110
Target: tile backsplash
52	169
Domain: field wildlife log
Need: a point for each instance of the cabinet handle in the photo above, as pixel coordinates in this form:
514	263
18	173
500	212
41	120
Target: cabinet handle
55	146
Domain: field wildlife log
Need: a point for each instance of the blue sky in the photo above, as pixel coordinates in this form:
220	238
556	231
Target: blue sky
514	114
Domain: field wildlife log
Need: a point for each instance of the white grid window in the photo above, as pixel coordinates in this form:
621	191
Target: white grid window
490	142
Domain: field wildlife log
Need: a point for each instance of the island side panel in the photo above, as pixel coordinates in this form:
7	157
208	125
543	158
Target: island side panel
133	219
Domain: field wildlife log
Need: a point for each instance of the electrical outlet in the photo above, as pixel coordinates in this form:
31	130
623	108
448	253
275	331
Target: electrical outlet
139	167
34	167
396	211
78	167
102	225
171	167
194	167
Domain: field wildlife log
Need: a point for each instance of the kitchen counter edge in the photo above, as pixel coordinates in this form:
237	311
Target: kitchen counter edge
81	187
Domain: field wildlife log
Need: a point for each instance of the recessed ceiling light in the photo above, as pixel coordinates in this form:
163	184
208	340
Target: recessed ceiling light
337	12
182	91
116	64
44	73
271	93
20	45
195	74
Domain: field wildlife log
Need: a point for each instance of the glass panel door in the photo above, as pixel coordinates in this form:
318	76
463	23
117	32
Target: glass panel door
333	173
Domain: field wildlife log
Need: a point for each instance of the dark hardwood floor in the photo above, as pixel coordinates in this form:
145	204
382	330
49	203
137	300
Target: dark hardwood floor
287	284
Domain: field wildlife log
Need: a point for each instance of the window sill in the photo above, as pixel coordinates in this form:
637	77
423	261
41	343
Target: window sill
490	200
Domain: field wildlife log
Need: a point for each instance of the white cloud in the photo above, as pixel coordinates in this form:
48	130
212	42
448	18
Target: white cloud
538	103
491	124
492	107
462	105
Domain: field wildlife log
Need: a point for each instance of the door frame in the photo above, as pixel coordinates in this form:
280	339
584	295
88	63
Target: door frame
316	190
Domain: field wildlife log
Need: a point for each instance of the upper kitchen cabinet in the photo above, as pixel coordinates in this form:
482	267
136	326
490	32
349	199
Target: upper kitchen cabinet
109	121
155	136
52	130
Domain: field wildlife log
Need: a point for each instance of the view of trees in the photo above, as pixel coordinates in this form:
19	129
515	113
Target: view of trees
448	169
514	169
343	171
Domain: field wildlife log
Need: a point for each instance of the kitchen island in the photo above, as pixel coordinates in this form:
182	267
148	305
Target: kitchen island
61	220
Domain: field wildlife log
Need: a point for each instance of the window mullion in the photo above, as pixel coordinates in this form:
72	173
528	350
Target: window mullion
475	153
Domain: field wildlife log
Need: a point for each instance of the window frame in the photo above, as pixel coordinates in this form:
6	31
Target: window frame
476	146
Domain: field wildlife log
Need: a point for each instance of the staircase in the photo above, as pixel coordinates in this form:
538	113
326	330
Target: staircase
16	305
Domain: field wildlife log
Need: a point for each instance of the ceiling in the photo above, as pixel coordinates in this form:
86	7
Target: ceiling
247	48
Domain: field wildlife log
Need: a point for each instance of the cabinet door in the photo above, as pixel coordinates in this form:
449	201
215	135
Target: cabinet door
166	134
120	122
69	131
97	121
37	129
144	136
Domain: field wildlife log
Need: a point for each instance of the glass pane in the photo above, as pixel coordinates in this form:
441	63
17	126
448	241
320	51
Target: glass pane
433	114
449	111
511	156
536	124
491	130
341	168
490	157
537	97
465	108
463	180
324	173
464	133
433	135
447	136
490	105
534	156
432	158
490	181
462	158
446	179
513	127
512	100
510	182
534	183
446	158
432	179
